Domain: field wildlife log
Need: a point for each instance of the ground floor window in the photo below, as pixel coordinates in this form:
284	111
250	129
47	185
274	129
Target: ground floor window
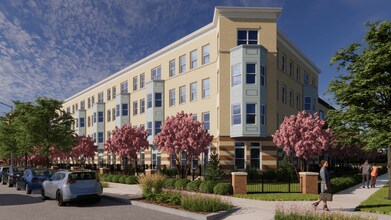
239	155
255	151
156	159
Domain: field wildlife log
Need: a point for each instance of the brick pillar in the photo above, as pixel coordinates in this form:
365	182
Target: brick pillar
104	170
239	182
309	182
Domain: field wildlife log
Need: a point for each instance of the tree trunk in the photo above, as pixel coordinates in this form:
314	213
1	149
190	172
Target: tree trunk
389	171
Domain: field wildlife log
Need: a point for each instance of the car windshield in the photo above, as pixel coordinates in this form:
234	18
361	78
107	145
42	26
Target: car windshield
19	169
82	176
42	172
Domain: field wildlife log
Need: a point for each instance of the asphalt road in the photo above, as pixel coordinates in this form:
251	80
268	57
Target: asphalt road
17	205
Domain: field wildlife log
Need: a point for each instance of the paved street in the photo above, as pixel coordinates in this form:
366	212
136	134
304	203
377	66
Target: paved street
18	205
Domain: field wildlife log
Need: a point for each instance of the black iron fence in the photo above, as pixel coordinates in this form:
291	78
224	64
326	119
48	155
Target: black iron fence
270	184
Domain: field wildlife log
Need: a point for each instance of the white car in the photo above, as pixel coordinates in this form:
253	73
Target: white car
69	186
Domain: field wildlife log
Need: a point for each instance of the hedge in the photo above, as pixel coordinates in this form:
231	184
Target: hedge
223	189
194	185
181	183
169	183
207	186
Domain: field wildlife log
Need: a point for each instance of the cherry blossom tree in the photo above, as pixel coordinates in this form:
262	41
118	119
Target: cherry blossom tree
127	141
35	158
84	149
304	135
181	133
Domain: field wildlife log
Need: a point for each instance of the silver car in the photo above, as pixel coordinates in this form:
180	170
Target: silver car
69	186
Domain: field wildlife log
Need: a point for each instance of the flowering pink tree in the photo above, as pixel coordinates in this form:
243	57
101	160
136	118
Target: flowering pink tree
181	133
304	135
127	141
35	158
84	149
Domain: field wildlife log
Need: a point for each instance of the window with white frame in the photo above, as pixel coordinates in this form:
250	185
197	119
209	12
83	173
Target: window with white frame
172	68
172	97
92	100
135	108
183	158
247	37
262	76
194	117
142	106
108	94
307	103
149	127
125	109
193	59
236	114
88	103
100	97
158	125
283	62
306	78
291	66
182	63
158	99
206	54
250	113
114	90
100	137
77	106
283	95
124	87
255	152
206	120
262	115
236	72
193	91
118	111
109	115
250	73
142	157
82	122
94	117
135	83
291	98
298	73
149	101
182	94
173	161
156	159
239	155
205	88
113	113
142	80
156	73
83	105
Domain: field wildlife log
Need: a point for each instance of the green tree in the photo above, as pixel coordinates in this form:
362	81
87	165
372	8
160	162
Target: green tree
213	170
8	144
363	91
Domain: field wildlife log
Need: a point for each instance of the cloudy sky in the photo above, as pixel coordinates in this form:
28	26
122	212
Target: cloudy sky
57	48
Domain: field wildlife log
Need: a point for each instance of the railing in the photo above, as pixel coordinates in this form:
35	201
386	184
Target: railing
265	184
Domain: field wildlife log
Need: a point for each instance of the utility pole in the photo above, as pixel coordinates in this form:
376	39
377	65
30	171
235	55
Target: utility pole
12	109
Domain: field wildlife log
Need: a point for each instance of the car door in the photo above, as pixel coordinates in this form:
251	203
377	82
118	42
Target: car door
49	186
58	182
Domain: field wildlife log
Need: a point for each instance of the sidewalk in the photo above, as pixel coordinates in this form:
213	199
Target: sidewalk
345	201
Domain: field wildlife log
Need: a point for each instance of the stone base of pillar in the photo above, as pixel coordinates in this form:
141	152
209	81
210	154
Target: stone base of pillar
239	182
309	182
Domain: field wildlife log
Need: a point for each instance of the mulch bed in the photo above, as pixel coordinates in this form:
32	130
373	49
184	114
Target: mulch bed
168	205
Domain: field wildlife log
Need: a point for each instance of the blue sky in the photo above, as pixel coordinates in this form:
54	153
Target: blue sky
57	48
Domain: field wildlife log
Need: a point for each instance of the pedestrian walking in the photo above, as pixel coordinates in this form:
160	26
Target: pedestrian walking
365	171
325	186
374	174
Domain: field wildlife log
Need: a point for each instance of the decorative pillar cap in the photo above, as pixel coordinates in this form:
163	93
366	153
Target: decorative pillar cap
238	173
308	174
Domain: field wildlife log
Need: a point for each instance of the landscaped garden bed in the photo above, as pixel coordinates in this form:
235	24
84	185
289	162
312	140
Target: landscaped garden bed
119	178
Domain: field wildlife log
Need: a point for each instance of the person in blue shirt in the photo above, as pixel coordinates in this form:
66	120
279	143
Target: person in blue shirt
325	186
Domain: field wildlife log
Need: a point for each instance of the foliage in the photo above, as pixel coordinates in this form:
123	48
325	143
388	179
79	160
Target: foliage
213	170
170	197
84	149
181	183
193	185
279	196
286	171
181	133
104	184
152	184
269	174
342	183
253	174
223	189
131	180
8	131
169	183
109	178
207	186
377	203
168	171
304	135
115	178
122	179
199	203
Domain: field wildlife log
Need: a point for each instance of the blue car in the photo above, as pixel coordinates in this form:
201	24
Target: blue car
33	178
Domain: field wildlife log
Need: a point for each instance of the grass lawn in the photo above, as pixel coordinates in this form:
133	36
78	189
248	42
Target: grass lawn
280	196
272	187
377	203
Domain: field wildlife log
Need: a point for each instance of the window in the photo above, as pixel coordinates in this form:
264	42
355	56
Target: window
82	122
158	125
298	101
250	73
108	94
83	105
158	99
250	113
262	76
100	137
182	94
100	97
283	95
142	157
135	108
255	151
156	73
298	73
193	59
205	88
291	98
172	97
247	37
142	106
92	100
149	127
118	111
206	54
193	91
194	117
94	117
100	116
321	115
236	114
113	113
183	158
114	89
306	78
68	109
108	115
236	74
239	155
262	115
206	120
182	63
173	161
291	65
135	83
307	103
172	68
88	121
156	159
89	102
124	87
125	109
142	80
77	106
149	100
283	62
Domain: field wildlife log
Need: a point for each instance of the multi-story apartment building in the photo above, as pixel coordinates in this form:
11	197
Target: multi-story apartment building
239	75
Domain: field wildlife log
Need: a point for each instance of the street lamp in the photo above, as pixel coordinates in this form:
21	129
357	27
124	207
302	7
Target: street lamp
12	109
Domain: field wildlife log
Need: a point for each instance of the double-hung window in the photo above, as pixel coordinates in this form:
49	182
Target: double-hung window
149	100
205	88
142	106
262	115
158	99
172	97
124	87
298	73
193	59
306	78
307	103
118	110
149	127
247	37
135	83
100	137
108	94
108	115
125	109
114	90
206	120
236	72
142	80
94	117
92	100
250	73
113	113
100	97
236	114
250	113
193	91
283	62
88	104
82	122
135	108
255	152
182	94
158	125
239	155
291	98
156	73
283	95
83	105
172	68
262	76
291	70
182	63
206	54
100	116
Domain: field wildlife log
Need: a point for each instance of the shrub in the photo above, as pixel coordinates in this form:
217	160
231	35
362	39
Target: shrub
109	178
252	174
169	183
194	185
198	203
116	178
122	178
223	189
152	184
171	172
104	184
286	171
131	180
181	183
168	197
207	186
270	174
213	170
341	183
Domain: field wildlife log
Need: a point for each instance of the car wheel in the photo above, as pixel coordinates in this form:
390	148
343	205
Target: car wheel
43	196
60	201
28	190
17	187
9	184
3	182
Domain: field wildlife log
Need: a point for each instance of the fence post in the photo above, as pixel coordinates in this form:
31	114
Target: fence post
239	182
289	183
262	182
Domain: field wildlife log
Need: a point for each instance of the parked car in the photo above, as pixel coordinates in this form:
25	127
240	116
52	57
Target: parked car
69	186
33	178
3	169
13	175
